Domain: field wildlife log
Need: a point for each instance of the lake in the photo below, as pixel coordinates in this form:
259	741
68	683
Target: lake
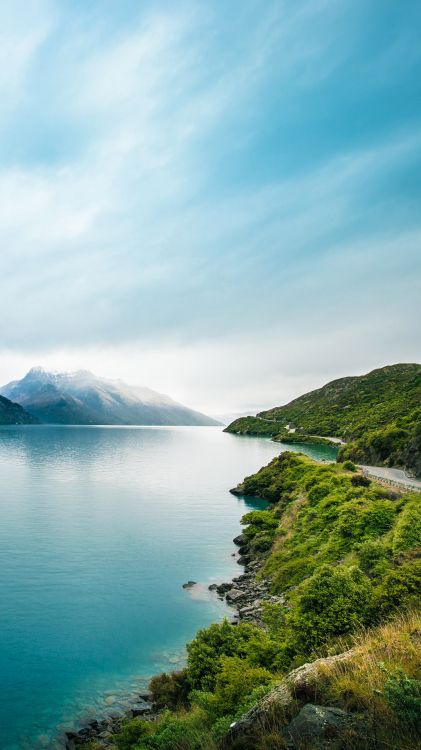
100	527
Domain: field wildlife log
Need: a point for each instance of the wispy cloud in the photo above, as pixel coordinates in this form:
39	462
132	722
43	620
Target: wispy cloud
198	184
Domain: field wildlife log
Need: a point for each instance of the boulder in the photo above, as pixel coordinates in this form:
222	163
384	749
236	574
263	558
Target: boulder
300	683
235	595
314	723
189	584
223	588
240	539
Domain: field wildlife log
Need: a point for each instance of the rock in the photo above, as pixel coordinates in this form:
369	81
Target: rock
223	588
240	539
315	722
142	709
300	683
213	587
189	584
146	697
235	595
238	490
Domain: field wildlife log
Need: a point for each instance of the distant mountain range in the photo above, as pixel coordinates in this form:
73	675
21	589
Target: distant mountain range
83	398
378	415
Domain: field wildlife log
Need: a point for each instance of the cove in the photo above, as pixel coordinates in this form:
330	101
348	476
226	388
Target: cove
100	527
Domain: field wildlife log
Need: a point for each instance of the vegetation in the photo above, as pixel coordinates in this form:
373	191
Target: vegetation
345	555
11	413
378	415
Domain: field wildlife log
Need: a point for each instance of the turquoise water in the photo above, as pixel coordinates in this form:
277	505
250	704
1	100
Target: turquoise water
99	529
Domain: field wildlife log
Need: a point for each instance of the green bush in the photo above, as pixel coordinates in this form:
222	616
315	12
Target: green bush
408	527
132	731
403	695
210	645
170	690
332	602
373	556
236	679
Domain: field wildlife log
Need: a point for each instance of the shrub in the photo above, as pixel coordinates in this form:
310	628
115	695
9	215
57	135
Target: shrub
332	602
403	695
170	690
235	681
349	466
359	480
372	556
131	733
408	527
212	643
399	587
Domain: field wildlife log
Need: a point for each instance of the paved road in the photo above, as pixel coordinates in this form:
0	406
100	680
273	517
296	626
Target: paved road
394	476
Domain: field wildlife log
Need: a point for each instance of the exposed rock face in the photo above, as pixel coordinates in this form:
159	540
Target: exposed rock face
315	723
300	683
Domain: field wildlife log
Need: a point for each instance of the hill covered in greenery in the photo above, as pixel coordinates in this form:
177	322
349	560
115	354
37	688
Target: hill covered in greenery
344	552
378	415
11	413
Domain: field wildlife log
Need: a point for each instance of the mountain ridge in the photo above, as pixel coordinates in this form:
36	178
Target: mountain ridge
378	414
81	397
13	413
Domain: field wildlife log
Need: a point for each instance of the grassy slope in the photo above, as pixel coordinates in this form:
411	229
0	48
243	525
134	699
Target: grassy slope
346	555
378	414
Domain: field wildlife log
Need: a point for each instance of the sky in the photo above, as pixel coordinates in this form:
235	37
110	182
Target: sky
219	200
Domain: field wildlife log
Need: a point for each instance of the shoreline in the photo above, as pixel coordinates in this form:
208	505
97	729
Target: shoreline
244	594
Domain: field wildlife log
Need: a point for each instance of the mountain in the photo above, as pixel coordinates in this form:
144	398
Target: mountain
11	413
378	415
83	398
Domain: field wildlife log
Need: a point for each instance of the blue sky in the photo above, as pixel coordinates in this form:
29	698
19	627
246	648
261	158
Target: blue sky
219	200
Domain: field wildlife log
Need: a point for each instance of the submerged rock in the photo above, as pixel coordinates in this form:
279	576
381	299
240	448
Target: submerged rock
189	584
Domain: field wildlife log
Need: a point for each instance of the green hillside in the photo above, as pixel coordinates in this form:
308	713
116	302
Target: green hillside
344	552
11	413
378	415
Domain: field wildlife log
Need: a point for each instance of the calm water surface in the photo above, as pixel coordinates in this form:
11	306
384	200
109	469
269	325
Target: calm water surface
99	529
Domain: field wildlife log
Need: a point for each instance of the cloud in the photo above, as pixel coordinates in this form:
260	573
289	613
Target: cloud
189	189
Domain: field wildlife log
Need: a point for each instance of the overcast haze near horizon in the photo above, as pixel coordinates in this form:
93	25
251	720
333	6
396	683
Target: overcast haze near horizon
220	201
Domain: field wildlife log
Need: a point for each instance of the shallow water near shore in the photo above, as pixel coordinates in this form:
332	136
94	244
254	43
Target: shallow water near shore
100	527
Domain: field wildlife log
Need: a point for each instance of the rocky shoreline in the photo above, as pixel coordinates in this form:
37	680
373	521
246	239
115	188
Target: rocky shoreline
246	594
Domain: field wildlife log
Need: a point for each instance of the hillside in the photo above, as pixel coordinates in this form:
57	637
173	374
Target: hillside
11	413
84	398
341	557
378	415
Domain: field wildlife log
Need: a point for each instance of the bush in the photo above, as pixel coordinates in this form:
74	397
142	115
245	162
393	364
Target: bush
170	690
332	602
349	466
210	645
408	527
359	480
400	587
235	681
372	556
131	733
403	695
